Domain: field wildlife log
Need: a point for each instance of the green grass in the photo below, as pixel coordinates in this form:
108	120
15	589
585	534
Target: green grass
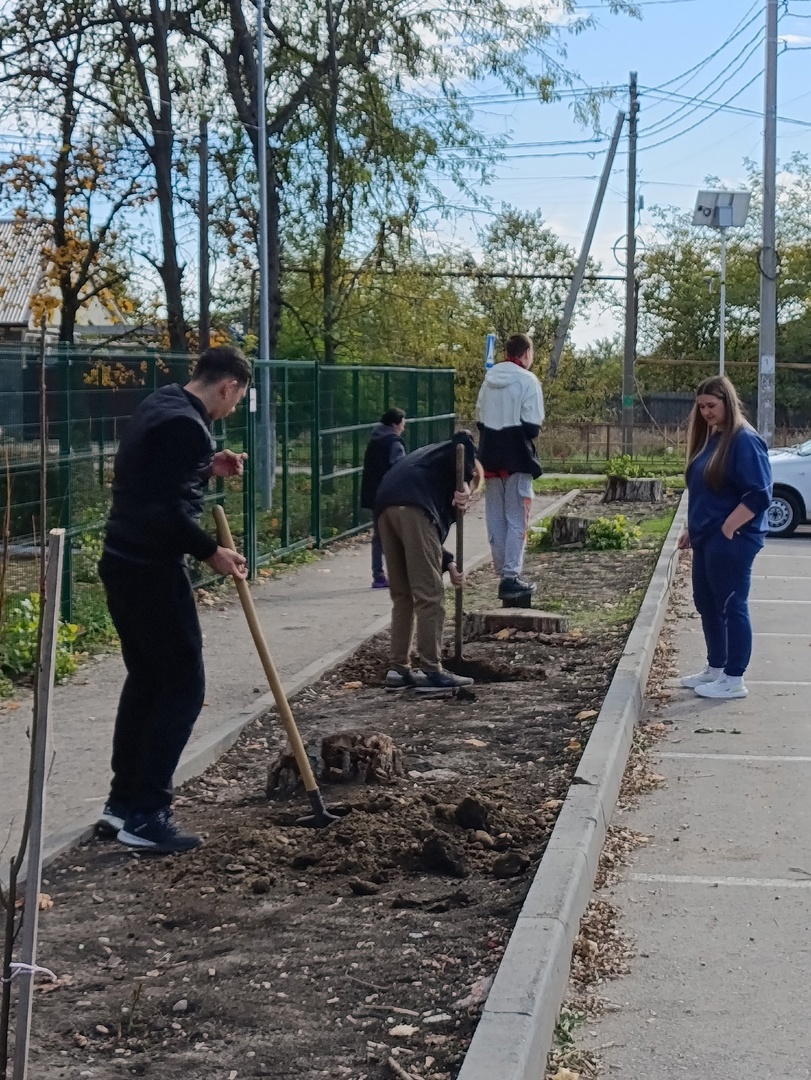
547	485
655	530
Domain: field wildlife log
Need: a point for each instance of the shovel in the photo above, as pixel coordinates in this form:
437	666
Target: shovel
321	816
460	553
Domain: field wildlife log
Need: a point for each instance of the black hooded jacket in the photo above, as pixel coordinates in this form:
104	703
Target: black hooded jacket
427	478
162	467
385	448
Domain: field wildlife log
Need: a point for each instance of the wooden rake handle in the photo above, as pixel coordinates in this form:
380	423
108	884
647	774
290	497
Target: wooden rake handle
275	683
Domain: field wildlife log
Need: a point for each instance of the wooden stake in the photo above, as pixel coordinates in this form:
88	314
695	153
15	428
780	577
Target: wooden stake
39	759
460	554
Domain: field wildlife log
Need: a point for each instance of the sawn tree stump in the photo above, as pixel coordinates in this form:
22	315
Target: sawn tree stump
627	489
344	757
568	530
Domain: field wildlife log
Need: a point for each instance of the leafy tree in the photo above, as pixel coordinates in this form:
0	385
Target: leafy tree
70	194
518	243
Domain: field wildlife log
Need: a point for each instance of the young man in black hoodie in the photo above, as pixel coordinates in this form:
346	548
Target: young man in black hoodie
163	464
416	504
385	448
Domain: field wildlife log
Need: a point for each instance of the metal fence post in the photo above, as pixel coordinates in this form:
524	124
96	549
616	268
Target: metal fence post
355	448
315	456
249	485
285	529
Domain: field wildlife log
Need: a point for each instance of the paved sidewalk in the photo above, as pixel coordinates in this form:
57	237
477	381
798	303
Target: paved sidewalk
719	901
311	617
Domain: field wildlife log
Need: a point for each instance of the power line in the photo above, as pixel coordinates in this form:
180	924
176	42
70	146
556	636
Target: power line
751	47
744	24
704	119
739	110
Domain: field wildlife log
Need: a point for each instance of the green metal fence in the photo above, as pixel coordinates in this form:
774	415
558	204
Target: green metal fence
302	481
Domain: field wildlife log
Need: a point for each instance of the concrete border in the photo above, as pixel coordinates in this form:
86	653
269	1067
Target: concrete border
212	746
516	1029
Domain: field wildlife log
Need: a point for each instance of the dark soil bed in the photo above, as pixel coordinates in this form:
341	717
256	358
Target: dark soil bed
275	951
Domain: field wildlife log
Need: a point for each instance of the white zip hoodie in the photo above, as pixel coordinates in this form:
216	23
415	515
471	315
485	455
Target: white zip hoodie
509	414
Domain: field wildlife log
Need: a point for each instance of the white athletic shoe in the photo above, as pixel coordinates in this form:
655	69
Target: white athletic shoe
708	675
723	689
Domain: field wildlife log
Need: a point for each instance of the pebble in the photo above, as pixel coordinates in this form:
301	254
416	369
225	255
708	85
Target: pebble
180	1006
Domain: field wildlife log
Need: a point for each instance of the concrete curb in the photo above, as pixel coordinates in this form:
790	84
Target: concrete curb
210	748
517	1025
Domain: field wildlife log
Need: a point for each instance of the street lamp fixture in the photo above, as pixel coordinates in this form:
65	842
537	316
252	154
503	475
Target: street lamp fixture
722	210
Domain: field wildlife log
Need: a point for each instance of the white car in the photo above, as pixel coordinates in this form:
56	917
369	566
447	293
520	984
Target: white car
791	499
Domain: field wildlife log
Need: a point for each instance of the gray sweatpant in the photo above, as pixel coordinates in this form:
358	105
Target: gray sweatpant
507	504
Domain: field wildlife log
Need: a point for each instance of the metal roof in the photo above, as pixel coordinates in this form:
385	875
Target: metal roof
21	271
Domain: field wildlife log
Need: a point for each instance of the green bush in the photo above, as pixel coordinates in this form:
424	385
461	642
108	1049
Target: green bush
18	641
612	534
539	537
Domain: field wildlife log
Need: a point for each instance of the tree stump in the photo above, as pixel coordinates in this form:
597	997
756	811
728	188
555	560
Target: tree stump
567	530
344	757
636	489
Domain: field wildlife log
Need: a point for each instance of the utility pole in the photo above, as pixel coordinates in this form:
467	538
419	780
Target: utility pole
577	280
768	252
204	329
630	282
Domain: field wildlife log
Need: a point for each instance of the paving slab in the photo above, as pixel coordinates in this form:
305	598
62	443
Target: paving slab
718	903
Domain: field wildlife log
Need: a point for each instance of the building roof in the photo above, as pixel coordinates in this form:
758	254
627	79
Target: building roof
21	269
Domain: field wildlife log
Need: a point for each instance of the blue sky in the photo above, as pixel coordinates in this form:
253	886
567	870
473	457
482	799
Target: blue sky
681	141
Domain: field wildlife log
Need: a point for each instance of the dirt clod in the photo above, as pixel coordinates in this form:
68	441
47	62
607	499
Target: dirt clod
472	814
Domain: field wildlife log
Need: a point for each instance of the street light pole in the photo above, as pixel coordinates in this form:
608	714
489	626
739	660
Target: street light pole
266	452
768	253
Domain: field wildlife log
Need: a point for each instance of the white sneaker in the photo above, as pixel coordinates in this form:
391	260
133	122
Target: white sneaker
708	675
723	689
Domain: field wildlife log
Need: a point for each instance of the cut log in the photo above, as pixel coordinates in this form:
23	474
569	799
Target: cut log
567	530
344	757
483	623
636	489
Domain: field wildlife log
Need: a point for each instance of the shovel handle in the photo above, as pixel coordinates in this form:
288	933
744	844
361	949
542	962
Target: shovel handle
279	696
460	553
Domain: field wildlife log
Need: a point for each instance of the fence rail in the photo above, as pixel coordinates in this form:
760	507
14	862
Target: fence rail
304	427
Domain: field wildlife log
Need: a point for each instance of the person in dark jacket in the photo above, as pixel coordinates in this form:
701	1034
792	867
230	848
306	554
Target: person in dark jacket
163	464
729	480
510	412
384	449
417	503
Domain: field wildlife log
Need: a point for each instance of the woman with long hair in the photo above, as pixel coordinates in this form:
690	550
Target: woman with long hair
729	480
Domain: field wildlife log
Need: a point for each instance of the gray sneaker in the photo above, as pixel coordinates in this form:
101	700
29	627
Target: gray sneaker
404	680
437	682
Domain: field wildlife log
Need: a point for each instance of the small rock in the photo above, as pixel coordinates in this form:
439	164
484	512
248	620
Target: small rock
363	888
437	857
102	1030
471	814
510	865
259	886
483	838
180	1006
437	1018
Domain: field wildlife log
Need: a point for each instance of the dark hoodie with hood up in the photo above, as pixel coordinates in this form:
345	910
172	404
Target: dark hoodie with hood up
385	448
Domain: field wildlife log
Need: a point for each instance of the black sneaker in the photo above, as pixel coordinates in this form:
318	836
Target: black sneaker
514	586
404	680
111	819
157	832
437	682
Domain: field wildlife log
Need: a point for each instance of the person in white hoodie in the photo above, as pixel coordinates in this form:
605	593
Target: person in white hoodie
509	414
